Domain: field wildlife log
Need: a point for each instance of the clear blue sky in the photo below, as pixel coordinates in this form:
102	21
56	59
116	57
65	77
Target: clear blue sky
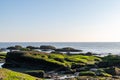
59	20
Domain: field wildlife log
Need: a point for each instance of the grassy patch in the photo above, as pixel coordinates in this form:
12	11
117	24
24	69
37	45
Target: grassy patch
6	74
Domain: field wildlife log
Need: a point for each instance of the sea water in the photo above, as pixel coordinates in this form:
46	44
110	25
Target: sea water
1	65
95	47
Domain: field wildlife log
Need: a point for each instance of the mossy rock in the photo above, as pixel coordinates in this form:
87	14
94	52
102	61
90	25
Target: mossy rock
6	74
87	73
109	61
47	62
105	74
113	70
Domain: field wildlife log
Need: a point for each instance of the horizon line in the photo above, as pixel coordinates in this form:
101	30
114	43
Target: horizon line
57	41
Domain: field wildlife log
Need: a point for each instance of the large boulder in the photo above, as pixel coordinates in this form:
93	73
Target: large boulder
47	47
32	47
33	60
68	50
36	73
110	61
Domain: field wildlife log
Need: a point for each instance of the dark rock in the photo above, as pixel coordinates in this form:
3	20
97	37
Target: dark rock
113	71
47	47
24	59
39	73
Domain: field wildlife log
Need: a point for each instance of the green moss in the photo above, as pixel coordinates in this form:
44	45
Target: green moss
6	74
61	56
105	74
2	55
55	60
87	73
83	59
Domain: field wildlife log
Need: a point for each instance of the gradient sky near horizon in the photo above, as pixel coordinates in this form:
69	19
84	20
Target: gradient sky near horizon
60	20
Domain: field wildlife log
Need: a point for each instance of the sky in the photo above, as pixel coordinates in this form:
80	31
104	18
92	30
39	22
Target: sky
60	20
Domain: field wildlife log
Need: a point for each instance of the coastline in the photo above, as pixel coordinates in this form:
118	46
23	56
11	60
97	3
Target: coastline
30	60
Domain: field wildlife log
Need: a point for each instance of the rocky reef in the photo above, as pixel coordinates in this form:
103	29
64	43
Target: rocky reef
41	64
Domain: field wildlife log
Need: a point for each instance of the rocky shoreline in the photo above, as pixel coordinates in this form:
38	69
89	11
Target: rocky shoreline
59	66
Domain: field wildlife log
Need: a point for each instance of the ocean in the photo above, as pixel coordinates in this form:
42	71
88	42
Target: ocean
95	47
